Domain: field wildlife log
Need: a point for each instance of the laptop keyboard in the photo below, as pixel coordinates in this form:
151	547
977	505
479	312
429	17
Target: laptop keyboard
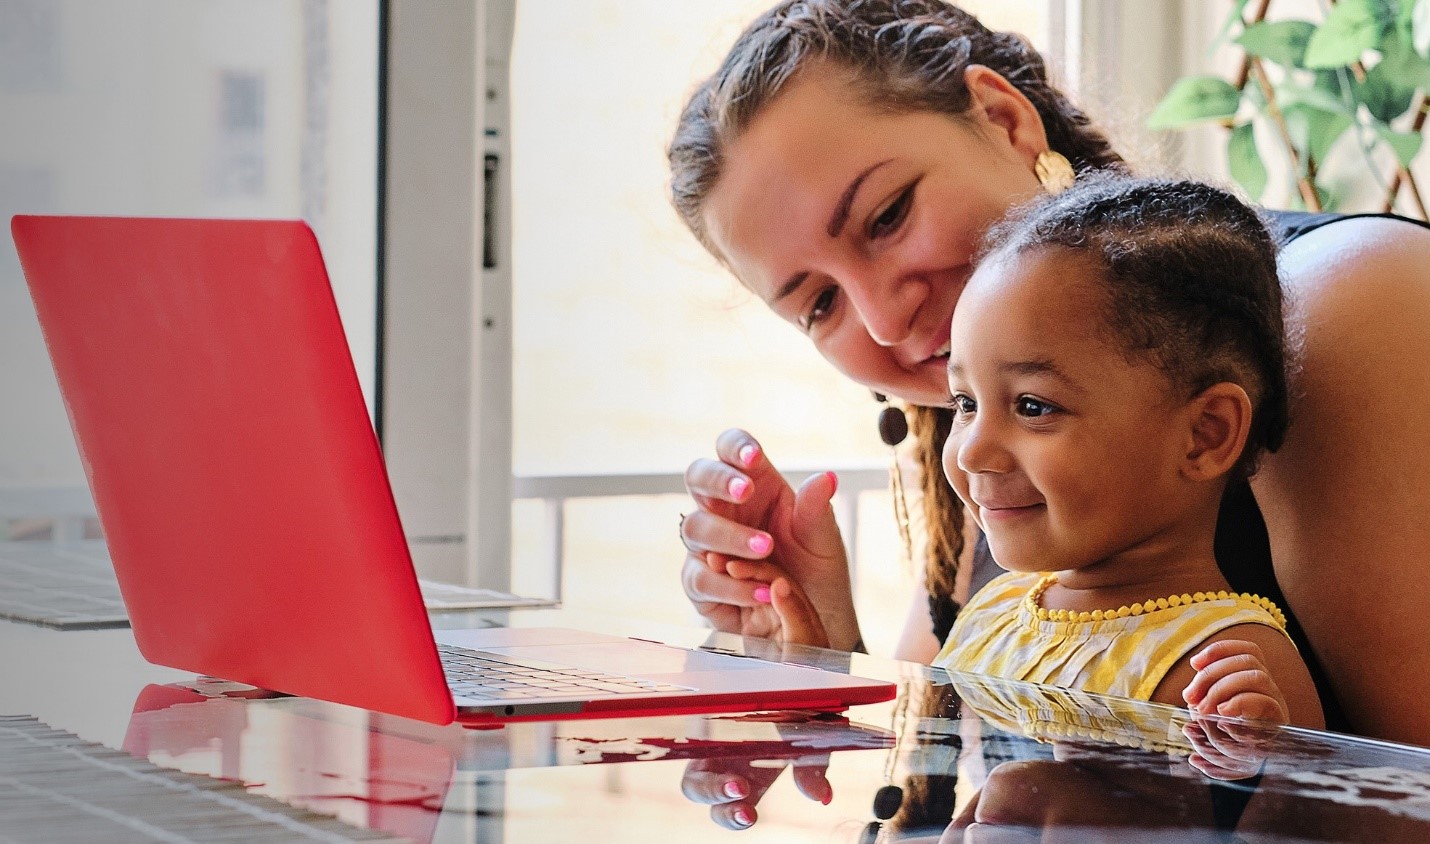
71	586
481	674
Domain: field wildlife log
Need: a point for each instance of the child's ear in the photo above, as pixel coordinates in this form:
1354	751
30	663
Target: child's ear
1220	419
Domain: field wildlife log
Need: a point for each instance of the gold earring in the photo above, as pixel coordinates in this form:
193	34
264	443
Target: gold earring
1054	171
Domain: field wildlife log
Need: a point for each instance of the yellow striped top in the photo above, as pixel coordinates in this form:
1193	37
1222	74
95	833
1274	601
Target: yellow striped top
1003	632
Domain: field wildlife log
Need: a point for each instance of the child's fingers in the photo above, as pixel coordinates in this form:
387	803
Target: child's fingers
716	562
1250	736
1238	739
1256	706
1233	684
1226	689
798	619
1213	670
1220	772
753	570
1220	744
811	778
1224	649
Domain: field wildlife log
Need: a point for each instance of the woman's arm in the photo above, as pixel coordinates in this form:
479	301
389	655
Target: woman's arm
1346	499
917	642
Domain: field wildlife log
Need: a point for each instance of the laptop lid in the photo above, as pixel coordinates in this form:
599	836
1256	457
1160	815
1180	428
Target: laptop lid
243	495
235	470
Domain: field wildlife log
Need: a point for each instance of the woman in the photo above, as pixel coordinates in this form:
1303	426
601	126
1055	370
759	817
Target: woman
844	161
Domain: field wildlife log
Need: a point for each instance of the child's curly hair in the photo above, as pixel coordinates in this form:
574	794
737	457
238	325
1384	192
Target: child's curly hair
1190	274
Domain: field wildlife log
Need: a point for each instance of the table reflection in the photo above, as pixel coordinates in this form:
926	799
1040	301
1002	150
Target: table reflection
969	759
393	774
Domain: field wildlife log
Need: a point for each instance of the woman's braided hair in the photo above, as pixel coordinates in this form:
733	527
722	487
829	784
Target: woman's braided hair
903	56
1190	276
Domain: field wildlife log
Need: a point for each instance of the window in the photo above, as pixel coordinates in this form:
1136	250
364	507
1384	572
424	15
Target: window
215	109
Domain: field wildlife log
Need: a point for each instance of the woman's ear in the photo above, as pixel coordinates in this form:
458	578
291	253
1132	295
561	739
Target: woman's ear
1220	421
999	107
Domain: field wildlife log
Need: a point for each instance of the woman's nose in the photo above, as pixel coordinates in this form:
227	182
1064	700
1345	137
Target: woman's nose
886	303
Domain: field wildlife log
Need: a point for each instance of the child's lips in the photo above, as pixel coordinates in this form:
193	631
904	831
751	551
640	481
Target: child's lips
1009	511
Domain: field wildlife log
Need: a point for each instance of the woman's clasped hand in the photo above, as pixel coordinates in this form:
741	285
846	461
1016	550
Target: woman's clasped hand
765	559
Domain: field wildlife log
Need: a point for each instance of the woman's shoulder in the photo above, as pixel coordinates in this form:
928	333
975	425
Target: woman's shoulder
1288	226
1352	272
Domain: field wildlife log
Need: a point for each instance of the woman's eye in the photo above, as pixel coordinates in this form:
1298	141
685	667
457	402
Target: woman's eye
962	405
1029	406
820	308
892	216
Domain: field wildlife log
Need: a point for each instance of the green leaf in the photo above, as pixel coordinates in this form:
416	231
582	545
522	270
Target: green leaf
1328	93
1405	144
1233	18
1330	199
1245	162
1283	42
1313	131
1384	97
1403	66
1351	27
1195	99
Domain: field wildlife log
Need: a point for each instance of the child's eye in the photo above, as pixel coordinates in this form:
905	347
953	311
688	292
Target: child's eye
1029	406
961	404
892	216
821	307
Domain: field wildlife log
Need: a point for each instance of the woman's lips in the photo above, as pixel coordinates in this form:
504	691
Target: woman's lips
938	357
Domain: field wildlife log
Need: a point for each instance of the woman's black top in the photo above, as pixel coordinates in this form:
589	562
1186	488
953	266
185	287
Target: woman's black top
1243	550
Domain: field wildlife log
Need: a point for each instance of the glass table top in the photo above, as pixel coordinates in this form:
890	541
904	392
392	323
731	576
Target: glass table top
953	758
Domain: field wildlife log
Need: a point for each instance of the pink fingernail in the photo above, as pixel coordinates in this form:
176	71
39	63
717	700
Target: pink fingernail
833	480
762	594
735	789
742	817
761	544
748	453
738	487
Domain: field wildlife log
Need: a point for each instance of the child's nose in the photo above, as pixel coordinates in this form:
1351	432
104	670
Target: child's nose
981	449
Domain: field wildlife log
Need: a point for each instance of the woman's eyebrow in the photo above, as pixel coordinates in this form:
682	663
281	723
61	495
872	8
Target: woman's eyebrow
846	200
833	228
789	287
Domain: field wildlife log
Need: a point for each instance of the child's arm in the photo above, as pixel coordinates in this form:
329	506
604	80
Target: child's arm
1248	671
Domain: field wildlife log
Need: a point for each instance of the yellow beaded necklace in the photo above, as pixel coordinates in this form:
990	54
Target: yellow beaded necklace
1033	603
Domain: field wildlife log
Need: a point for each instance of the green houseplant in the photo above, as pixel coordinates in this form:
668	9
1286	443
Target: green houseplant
1349	91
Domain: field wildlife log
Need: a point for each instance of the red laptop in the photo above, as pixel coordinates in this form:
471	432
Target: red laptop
247	511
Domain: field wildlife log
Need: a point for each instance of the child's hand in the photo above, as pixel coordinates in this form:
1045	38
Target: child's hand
798	621
1232	679
1227	749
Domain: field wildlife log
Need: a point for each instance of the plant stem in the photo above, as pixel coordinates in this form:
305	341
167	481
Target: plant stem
1257	17
1422	107
1304	182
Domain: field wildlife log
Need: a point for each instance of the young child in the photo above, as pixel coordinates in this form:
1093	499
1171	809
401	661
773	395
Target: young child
1116	359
